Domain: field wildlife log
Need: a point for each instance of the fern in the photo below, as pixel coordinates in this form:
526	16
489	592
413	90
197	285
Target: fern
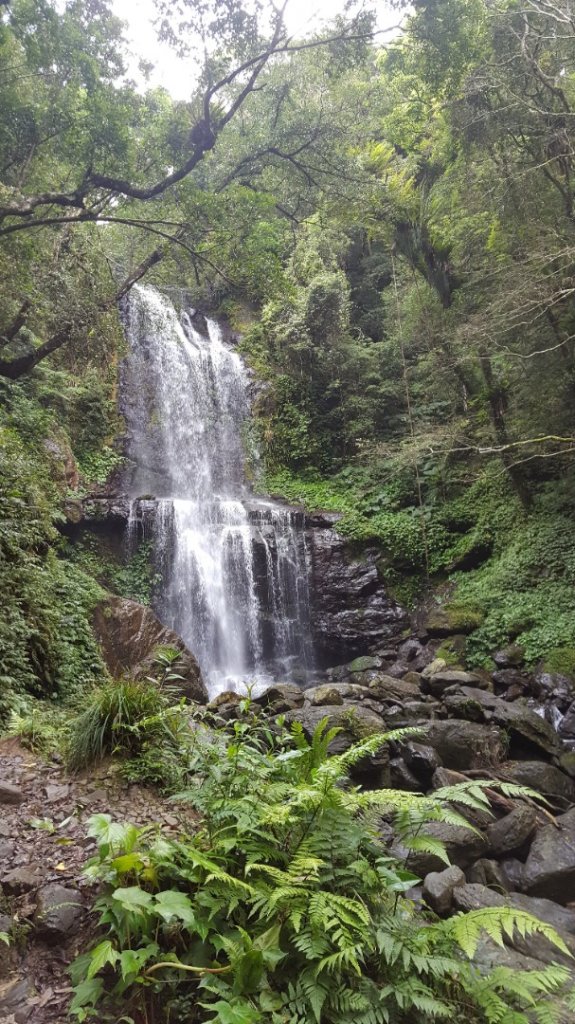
284	906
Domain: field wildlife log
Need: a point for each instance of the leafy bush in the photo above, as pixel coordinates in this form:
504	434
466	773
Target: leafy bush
285	906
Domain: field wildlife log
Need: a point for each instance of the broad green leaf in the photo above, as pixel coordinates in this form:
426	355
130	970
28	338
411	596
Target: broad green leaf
103	954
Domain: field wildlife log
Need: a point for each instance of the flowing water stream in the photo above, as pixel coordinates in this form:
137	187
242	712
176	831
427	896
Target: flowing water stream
234	573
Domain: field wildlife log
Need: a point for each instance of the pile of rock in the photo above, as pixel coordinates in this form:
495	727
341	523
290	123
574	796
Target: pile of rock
524	852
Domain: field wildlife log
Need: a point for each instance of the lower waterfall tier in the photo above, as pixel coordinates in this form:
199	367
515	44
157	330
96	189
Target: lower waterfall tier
235	590
349	610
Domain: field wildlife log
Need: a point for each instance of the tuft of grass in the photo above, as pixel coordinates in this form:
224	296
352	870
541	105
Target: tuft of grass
113	720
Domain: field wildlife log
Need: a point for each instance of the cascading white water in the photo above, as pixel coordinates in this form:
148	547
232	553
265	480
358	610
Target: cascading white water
234	571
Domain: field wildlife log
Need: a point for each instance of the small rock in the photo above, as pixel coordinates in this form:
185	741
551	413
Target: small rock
7	847
422	759
509	657
10	794
438	888
56	792
509	834
22	879
58	912
489	873
16	1000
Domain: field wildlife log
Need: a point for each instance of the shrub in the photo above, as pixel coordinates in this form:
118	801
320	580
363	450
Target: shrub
285	907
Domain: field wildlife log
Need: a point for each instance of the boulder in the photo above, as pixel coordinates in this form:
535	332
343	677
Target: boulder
17	999
509	657
550	867
512	871
509	834
22	879
356	722
475	897
364	664
129	633
438	888
444	620
437	665
321	695
422	759
401	777
489	873
439	681
544	778
528	732
58	913
394	691
281	697
465	745
463	846
567	724
63	464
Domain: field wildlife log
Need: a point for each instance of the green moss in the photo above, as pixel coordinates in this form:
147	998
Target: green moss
562	661
464	617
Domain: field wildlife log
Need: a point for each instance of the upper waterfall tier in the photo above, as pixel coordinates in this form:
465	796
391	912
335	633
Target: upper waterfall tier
185	399
237	592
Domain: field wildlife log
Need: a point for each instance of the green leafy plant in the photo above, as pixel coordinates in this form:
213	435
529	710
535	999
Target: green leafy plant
285	906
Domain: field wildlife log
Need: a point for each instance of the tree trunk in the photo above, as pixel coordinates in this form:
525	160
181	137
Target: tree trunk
496	399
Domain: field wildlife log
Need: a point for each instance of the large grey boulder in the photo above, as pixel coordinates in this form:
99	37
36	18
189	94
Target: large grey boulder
463	846
510	833
129	633
464	745
550	867
355	722
527	731
545	778
475	897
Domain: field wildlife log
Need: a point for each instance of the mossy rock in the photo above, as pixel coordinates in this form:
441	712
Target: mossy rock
561	661
364	664
457	617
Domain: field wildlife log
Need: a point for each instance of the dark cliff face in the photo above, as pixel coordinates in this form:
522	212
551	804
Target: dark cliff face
351	611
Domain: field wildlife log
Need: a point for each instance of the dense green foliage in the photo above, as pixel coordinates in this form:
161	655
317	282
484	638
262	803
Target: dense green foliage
284	905
390	229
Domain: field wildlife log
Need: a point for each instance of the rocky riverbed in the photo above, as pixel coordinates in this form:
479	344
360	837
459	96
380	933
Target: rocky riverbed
470	725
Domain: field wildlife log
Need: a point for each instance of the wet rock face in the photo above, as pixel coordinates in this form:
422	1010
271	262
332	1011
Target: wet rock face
351	612
129	633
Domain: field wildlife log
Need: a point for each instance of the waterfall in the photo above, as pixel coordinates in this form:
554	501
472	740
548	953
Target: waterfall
233	567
